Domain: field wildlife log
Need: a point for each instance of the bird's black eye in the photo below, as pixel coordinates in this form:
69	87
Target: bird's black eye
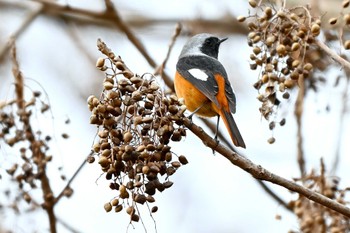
210	42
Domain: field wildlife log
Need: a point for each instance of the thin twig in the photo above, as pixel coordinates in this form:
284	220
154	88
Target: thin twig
298	112
67	226
19	31
341	124
71	179
160	69
134	40
344	63
261	173
274	195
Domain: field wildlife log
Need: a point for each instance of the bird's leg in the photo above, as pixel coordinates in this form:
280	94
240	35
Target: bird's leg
217	130
216	133
195	111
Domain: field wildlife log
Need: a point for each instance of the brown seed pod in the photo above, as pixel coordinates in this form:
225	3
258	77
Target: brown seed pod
167	184
136	95
347	44
140	198
289	83
100	62
175	164
271	140
296	63
115	202
256	39
127	137
130	210
123	194
108	207
256	50
150	147
295	46
118	208
145	169
104	162
154	209
332	21
281	50
241	18
252	3
106	152
108	85
150	199
315	29
94	120
268	12
270	41
308	66
135	218
112	95
283	122
90	159
286	95
183	160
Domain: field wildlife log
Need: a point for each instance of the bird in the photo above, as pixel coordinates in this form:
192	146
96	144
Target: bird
202	82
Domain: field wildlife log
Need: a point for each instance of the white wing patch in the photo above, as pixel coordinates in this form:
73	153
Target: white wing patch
198	74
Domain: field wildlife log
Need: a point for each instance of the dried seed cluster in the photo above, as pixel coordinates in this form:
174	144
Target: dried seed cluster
317	218
282	43
136	122
279	41
16	131
342	21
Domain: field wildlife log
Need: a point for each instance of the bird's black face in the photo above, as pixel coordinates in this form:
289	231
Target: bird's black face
211	45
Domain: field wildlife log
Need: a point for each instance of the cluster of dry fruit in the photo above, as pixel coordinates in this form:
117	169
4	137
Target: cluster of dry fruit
136	121
314	217
282	42
18	131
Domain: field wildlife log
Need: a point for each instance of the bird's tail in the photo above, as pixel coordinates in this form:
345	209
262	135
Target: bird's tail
232	128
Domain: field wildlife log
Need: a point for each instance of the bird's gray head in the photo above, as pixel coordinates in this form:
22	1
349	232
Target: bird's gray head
202	44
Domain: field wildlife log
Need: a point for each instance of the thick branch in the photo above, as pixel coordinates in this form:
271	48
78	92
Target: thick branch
261	173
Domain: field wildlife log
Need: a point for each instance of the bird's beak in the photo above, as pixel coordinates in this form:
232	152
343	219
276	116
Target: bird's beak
222	40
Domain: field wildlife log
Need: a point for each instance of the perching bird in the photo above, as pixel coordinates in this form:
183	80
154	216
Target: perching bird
201	80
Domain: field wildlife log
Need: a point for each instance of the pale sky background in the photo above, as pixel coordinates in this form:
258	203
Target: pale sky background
209	194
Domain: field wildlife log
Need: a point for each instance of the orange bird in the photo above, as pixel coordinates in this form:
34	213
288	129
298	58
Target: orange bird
201	80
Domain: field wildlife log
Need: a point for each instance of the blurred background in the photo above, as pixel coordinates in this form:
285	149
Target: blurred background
56	50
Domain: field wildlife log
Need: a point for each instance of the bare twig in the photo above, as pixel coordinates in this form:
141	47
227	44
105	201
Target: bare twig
261	173
30	18
274	195
341	127
344	63
298	112
71	179
160	69
134	40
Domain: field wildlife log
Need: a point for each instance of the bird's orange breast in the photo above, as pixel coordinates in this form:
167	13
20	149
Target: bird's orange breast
193	97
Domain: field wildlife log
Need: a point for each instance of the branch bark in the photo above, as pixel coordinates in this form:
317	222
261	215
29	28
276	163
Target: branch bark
261	173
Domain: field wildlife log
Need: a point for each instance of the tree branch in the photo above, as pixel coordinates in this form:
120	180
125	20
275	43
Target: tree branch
298	112
261	173
344	63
